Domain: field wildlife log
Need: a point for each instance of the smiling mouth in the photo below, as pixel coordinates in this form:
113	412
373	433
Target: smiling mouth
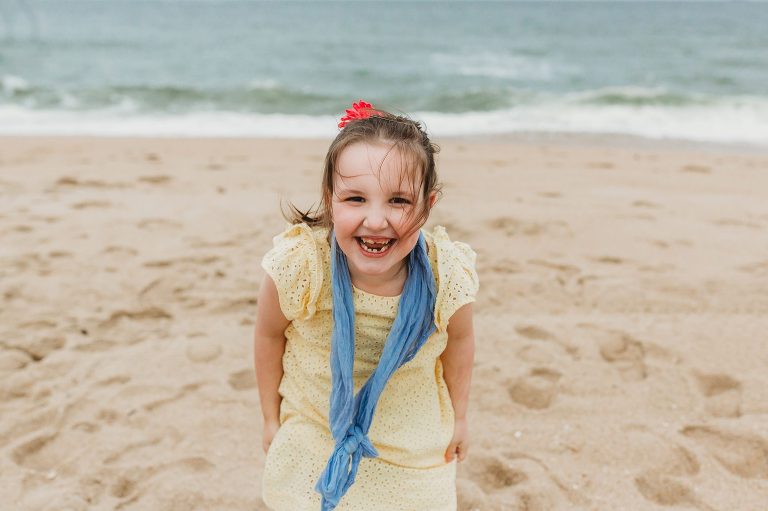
375	246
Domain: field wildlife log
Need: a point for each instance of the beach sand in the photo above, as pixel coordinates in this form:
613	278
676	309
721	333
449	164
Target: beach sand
622	345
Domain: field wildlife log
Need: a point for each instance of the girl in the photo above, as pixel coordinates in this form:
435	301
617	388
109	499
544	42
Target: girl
361	286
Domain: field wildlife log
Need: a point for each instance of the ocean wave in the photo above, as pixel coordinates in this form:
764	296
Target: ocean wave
270	96
736	120
470	99
12	85
258	96
640	96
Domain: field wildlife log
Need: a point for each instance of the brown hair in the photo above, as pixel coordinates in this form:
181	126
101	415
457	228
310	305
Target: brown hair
381	127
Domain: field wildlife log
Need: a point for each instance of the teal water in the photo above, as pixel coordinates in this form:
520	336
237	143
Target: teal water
684	70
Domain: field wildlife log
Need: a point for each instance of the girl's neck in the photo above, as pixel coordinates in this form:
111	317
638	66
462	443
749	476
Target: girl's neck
382	285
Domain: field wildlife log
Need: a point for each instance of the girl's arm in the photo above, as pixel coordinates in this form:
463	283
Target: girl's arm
268	348
457	360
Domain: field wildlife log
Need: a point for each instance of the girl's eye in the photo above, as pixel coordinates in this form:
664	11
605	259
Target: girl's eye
355	199
401	200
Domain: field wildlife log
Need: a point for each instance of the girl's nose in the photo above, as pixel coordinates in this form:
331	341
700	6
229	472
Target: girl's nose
375	219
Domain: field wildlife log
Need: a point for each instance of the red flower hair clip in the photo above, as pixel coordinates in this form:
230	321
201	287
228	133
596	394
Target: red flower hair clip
359	110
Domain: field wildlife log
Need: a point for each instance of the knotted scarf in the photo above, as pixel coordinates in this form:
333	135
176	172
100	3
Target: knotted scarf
351	417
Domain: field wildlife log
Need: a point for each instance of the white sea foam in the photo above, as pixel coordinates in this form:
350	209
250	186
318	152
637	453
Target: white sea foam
732	121
742	120
11	84
15	120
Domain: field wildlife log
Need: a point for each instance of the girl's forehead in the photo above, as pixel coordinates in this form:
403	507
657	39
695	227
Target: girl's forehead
386	179
365	161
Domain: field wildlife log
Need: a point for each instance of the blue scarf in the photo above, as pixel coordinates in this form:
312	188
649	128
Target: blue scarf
350	418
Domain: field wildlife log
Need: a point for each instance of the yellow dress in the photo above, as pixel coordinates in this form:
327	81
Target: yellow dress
413	423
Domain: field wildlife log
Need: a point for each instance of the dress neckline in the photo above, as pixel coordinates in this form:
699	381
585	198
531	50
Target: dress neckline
358	290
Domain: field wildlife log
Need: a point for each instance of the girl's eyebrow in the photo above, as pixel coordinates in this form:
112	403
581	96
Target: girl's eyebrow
358	192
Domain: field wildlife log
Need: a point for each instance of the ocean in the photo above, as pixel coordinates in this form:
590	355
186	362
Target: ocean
693	71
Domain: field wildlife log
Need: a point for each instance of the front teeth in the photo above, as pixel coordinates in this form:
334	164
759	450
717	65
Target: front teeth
369	240
374	250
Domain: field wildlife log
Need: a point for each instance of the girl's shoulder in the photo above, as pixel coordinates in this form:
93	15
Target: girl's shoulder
301	233
455	273
295	263
449	250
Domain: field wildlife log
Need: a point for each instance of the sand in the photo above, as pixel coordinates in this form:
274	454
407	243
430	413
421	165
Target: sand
622	353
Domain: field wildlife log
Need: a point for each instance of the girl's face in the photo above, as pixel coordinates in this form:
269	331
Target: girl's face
370	208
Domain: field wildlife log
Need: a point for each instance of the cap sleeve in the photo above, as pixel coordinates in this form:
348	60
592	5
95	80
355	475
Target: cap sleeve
296	268
458	282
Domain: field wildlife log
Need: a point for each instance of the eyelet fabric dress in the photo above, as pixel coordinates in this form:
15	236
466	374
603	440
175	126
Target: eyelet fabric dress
413	423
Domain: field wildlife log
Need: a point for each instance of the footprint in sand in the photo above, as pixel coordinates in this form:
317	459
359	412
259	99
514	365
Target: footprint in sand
23	228
242	380
155	180
203	350
665	468
680	462
535	354
126	327
32	453
519	481
12	359
531	501
188	260
537	333
120	250
180	394
67	181
665	484
148	314
645	204
18	384
534	332
601	165
722	394
492	472
608	260
123	487
696	169
625	353
736	222
513	227
38	349
232	305
91	204
666	491
537	390
134	486
470	496
654	453
158	223
135	449
58	254
744	455
118	379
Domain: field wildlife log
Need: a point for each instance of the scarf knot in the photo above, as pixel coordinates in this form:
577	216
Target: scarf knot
353	439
